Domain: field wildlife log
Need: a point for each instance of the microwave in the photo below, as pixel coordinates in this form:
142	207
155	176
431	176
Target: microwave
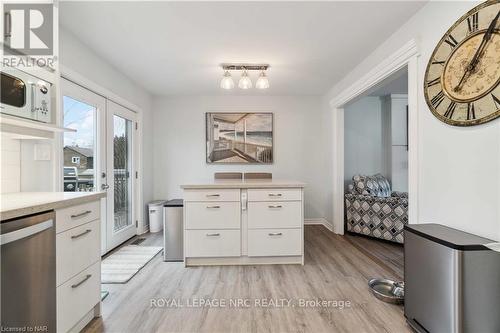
24	95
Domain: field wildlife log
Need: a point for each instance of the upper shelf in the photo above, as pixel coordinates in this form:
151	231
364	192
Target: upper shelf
29	129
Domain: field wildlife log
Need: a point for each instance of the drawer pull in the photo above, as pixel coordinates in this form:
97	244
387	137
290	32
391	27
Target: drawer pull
213	195
275	194
213	235
276	206
82	234
212	207
275	234
81	214
76	285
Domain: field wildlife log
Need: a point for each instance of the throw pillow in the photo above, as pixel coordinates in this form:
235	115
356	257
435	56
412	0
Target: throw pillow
384	185
359	182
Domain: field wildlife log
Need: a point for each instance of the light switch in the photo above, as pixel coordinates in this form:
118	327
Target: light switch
42	152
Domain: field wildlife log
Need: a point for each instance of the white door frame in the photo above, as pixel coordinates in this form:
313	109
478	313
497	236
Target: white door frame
407	55
113	239
82	94
81	80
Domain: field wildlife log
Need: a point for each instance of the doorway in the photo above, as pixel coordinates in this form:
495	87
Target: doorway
99	156
406	56
376	151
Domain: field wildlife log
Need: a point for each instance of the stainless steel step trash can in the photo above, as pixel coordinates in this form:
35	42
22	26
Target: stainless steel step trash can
452	280
173	230
155	209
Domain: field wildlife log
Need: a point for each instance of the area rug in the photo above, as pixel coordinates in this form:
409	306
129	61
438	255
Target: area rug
122	265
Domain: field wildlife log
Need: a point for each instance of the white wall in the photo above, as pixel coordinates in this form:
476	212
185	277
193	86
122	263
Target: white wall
459	168
79	58
364	149
395	108
10	152
179	143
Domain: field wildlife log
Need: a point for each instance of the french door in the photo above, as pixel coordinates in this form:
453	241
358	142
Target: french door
99	157
120	174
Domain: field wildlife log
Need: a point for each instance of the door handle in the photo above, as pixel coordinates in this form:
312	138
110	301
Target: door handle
213	195
25	232
213	235
275	195
213	207
7	25
76	285
275	234
104	186
278	206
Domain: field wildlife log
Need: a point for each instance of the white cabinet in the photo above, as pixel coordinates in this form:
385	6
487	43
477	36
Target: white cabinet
77	296
271	214
274	242
78	269
213	243
210	215
243	223
77	249
278	194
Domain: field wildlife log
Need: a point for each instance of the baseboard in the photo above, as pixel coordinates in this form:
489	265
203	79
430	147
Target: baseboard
319	221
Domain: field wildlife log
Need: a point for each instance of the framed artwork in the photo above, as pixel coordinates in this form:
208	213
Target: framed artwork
239	138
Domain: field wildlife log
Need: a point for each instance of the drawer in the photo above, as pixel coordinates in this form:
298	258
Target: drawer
286	194
211	215
274	242
212	195
275	214
78	296
77	249
74	216
213	243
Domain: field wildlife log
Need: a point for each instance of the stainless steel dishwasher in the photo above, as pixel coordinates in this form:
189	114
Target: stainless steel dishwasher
28	285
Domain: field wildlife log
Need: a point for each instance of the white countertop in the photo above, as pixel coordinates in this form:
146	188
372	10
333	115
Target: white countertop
249	183
19	204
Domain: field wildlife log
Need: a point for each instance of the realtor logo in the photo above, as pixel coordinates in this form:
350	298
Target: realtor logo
28	29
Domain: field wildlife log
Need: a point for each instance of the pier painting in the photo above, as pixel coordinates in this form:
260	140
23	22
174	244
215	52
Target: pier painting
239	138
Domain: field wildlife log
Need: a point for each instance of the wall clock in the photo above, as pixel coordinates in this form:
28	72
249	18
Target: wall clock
461	84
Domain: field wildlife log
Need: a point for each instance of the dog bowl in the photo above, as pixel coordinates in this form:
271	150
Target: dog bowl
387	290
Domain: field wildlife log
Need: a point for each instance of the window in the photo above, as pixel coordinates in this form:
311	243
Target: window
83	118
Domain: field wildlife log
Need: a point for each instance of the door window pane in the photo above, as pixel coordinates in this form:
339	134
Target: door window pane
122	143
80	146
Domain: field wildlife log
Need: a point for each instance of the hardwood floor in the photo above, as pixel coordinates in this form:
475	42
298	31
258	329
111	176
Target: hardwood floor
389	255
334	270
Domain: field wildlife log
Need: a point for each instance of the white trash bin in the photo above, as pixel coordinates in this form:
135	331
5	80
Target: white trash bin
156	215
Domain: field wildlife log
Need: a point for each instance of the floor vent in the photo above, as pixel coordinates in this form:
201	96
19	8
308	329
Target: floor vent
138	241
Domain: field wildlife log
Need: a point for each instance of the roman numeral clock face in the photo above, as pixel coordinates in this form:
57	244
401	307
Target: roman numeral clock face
462	78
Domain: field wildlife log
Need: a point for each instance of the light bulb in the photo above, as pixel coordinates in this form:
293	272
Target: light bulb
227	81
245	82
262	81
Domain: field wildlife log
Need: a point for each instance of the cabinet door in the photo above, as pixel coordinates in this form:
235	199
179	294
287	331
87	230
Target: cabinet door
274	242
213	243
212	215
274	214
77	249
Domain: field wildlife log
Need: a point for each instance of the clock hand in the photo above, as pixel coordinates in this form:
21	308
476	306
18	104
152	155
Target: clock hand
479	52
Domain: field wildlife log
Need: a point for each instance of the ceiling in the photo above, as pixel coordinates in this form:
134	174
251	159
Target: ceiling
175	48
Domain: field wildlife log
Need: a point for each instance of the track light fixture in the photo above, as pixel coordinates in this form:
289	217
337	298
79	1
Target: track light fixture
245	81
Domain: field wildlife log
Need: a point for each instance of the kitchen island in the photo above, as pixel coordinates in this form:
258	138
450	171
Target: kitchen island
244	222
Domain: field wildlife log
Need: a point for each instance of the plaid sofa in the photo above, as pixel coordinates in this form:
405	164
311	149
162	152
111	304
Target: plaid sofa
372	209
